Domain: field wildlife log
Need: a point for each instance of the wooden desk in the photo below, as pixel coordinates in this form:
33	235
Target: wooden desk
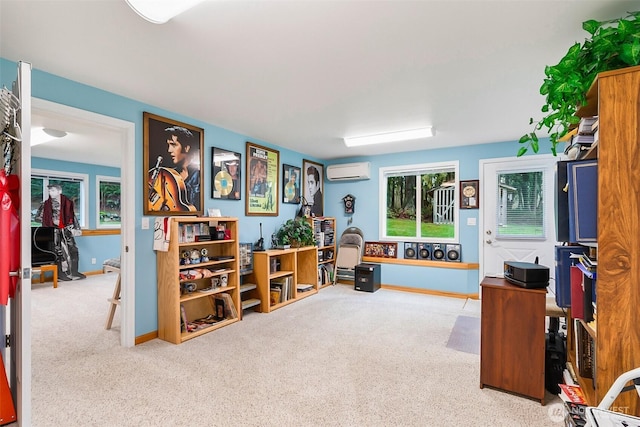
53	268
512	340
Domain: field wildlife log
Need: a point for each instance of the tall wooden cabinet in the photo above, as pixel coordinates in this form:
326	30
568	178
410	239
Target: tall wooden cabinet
198	278
615	98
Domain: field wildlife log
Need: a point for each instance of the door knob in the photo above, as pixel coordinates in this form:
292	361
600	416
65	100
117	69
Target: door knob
489	241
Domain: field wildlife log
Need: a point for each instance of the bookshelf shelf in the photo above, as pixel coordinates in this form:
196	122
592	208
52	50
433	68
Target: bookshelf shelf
187	313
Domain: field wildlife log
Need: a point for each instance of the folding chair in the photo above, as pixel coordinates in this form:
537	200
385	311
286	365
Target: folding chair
350	250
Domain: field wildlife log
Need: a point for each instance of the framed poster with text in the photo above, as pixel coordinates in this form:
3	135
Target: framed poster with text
262	180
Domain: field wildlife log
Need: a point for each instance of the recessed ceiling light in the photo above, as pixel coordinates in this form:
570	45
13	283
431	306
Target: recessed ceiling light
404	135
161	11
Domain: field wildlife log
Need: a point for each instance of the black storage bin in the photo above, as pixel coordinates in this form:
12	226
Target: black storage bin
367	277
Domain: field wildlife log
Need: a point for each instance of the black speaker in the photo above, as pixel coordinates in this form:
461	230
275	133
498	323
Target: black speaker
410	250
453	252
437	253
424	250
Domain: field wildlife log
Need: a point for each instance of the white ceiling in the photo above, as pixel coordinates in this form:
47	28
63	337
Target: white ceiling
304	74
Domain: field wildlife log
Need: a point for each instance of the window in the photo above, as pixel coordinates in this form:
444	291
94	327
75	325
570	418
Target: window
74	186
108	201
520	205
419	202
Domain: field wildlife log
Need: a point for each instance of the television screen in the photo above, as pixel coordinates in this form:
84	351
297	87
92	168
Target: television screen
43	245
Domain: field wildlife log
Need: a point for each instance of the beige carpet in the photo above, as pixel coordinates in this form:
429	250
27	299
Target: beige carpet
338	358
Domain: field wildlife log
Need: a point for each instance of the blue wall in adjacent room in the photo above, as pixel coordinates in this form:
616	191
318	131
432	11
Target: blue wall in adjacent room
59	90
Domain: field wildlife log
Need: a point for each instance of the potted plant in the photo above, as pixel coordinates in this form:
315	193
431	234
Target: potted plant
296	233
614	44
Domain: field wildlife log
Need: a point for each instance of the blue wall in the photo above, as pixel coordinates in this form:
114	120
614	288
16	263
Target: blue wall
56	89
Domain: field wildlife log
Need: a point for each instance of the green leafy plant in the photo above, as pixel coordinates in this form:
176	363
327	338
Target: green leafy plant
613	44
295	232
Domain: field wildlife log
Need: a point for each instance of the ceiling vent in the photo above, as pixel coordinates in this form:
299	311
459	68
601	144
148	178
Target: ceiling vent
349	171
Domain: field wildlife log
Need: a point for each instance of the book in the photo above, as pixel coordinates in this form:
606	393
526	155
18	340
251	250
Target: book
572	393
183	319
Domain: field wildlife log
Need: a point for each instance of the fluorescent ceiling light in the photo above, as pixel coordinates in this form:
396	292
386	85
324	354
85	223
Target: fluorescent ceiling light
41	135
161	11
381	138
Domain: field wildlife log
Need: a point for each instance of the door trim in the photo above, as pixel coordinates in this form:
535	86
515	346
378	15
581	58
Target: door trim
126	131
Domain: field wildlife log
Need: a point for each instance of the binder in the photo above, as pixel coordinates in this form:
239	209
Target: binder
583	201
577	295
563	273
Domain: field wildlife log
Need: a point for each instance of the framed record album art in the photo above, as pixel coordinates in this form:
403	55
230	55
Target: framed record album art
173	174
262	180
226	174
290	184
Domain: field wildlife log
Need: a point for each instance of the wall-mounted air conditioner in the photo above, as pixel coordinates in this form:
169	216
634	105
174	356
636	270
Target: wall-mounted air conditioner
349	171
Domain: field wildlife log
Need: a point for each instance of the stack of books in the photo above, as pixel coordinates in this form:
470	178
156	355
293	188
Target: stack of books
584	139
575	405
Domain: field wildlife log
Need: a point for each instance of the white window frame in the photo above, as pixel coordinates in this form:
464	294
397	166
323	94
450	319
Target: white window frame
422	168
83	178
110	179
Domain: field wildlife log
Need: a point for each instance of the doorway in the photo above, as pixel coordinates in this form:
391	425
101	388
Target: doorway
518	217
124	140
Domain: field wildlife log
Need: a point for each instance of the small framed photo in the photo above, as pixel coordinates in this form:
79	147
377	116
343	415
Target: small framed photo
470	194
313	186
226	174
262	180
290	184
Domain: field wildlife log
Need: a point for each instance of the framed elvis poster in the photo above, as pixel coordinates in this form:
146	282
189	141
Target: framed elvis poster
172	167
262	180
312	186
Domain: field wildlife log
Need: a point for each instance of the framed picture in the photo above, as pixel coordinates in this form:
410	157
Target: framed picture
173	174
226	174
470	194
262	180
312	186
381	249
290	184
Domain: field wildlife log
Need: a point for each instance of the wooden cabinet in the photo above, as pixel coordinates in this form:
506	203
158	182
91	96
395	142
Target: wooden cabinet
512	340
284	276
324	231
615	98
198	280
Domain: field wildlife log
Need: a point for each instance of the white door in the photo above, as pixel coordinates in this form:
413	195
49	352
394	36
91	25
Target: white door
518	214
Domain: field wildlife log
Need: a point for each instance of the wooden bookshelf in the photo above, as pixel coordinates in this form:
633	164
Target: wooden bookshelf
176	302
324	231
615	98
298	265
